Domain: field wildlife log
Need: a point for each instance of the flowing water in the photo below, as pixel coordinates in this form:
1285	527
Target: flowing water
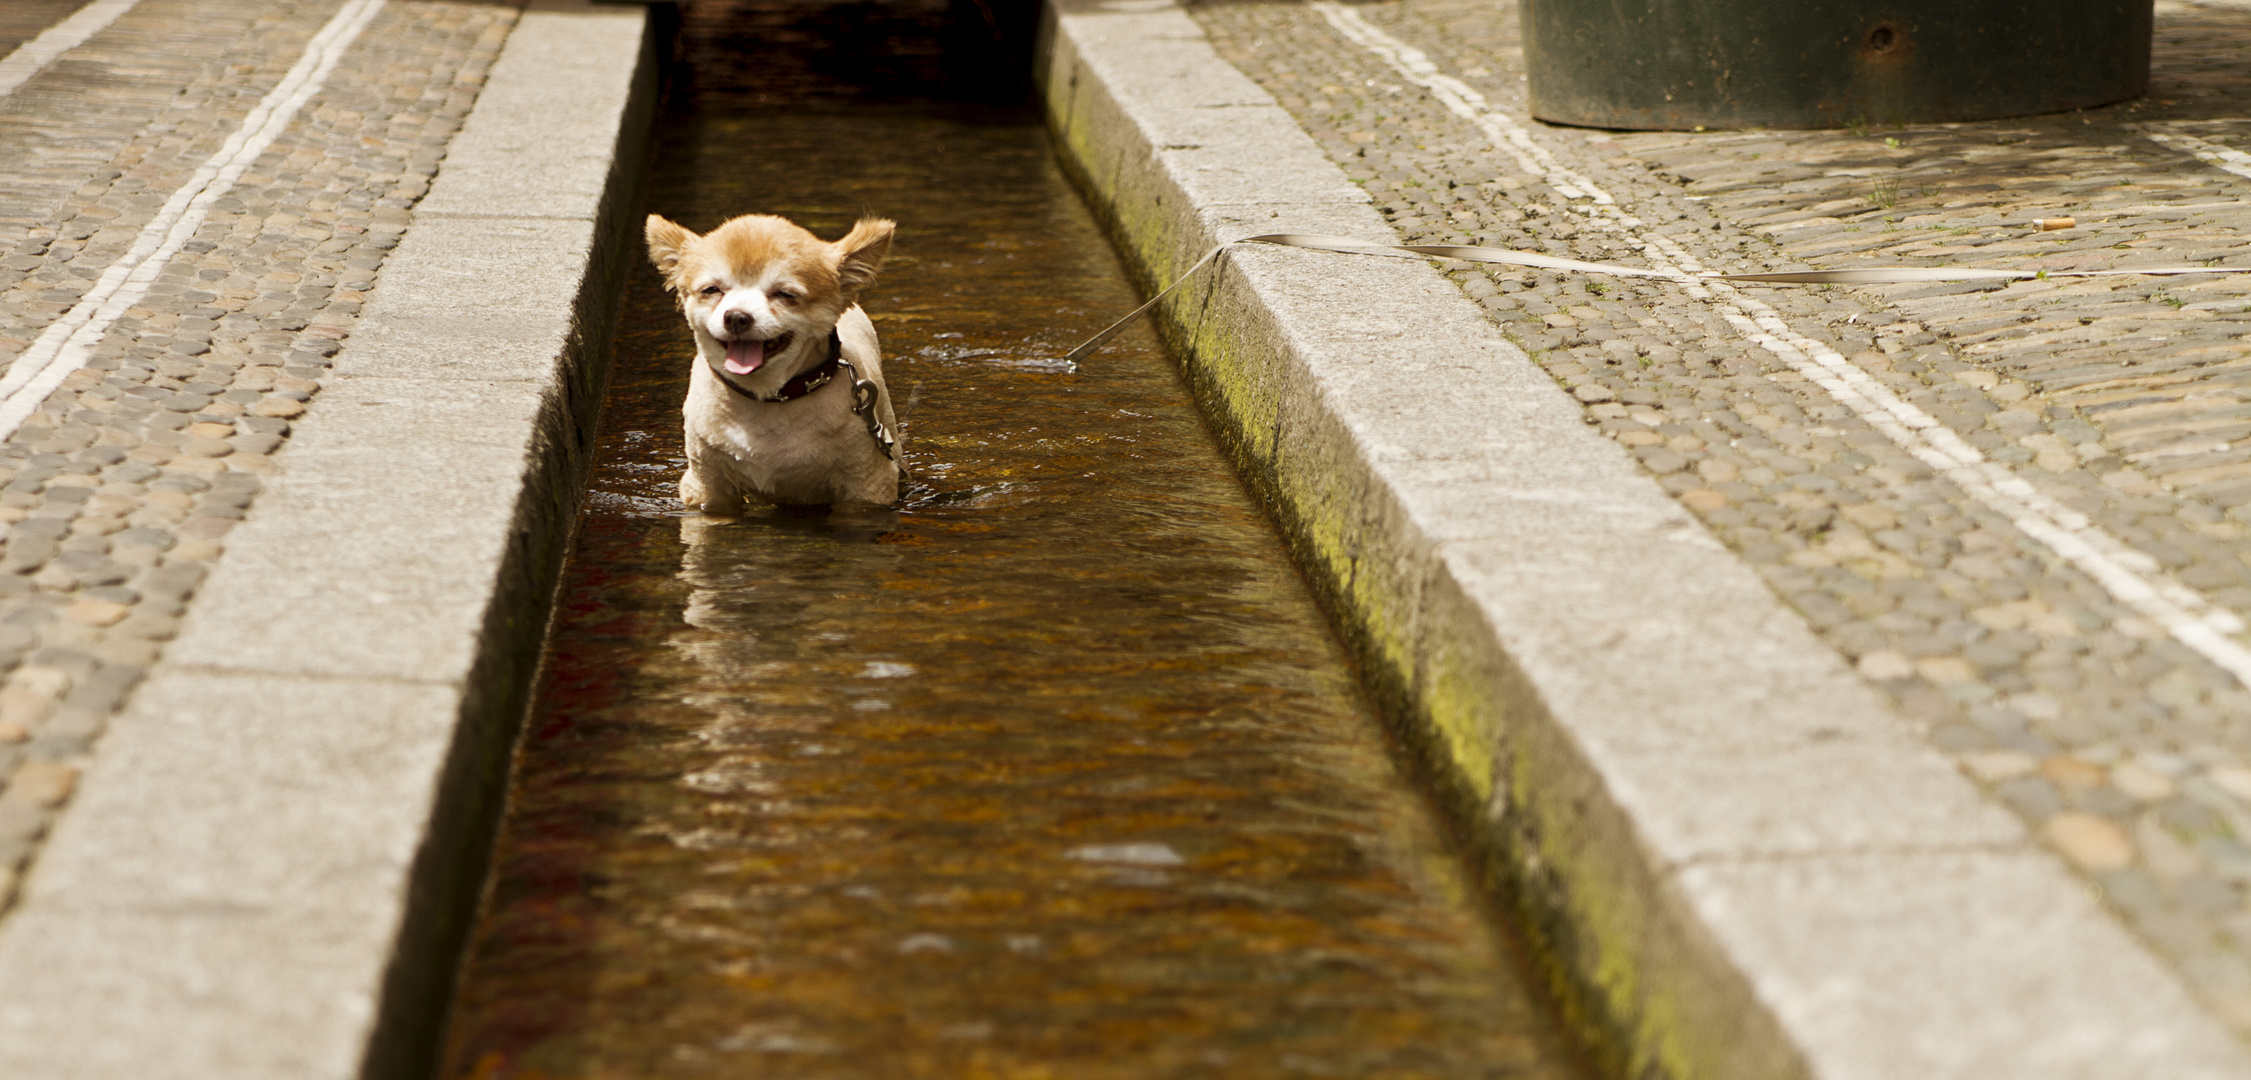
1054	772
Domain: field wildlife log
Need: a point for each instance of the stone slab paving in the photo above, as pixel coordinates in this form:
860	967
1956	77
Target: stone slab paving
119	491
263	863
2125	400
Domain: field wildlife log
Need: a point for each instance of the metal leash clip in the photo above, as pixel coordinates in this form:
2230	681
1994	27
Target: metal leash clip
864	396
864	393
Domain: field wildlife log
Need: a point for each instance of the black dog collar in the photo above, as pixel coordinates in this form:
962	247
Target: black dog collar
804	382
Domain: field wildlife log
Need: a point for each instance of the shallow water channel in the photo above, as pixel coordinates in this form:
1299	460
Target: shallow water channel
1056	771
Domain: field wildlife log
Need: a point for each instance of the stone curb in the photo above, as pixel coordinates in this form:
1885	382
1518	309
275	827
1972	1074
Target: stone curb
1732	855
270	867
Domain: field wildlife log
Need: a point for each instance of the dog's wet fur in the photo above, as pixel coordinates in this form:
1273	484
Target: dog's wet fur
762	296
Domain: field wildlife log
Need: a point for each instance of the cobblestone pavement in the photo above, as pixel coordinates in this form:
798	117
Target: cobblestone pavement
122	486
2122	405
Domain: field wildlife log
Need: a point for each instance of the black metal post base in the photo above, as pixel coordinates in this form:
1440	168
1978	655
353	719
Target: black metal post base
1683	64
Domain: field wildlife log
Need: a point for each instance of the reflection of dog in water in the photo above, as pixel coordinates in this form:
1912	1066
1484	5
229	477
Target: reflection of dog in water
787	404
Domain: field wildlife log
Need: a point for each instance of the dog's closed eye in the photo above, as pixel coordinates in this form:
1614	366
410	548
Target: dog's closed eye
712	290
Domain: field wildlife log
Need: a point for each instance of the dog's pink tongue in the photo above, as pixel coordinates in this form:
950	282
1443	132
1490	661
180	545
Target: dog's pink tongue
744	357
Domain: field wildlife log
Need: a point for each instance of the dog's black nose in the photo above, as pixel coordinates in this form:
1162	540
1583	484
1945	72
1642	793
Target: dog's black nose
737	322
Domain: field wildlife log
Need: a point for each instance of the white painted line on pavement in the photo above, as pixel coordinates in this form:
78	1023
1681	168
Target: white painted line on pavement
69	342
32	57
2132	577
2210	153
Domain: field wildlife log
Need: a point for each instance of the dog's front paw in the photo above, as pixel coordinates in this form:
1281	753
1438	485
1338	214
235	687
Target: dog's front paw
692	493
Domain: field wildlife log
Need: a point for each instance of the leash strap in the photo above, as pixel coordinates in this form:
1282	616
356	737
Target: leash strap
1874	275
1099	339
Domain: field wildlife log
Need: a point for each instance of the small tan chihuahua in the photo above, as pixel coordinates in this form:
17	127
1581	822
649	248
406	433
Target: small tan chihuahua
776	319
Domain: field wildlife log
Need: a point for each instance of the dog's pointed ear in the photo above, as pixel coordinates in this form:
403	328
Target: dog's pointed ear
860	253
665	241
